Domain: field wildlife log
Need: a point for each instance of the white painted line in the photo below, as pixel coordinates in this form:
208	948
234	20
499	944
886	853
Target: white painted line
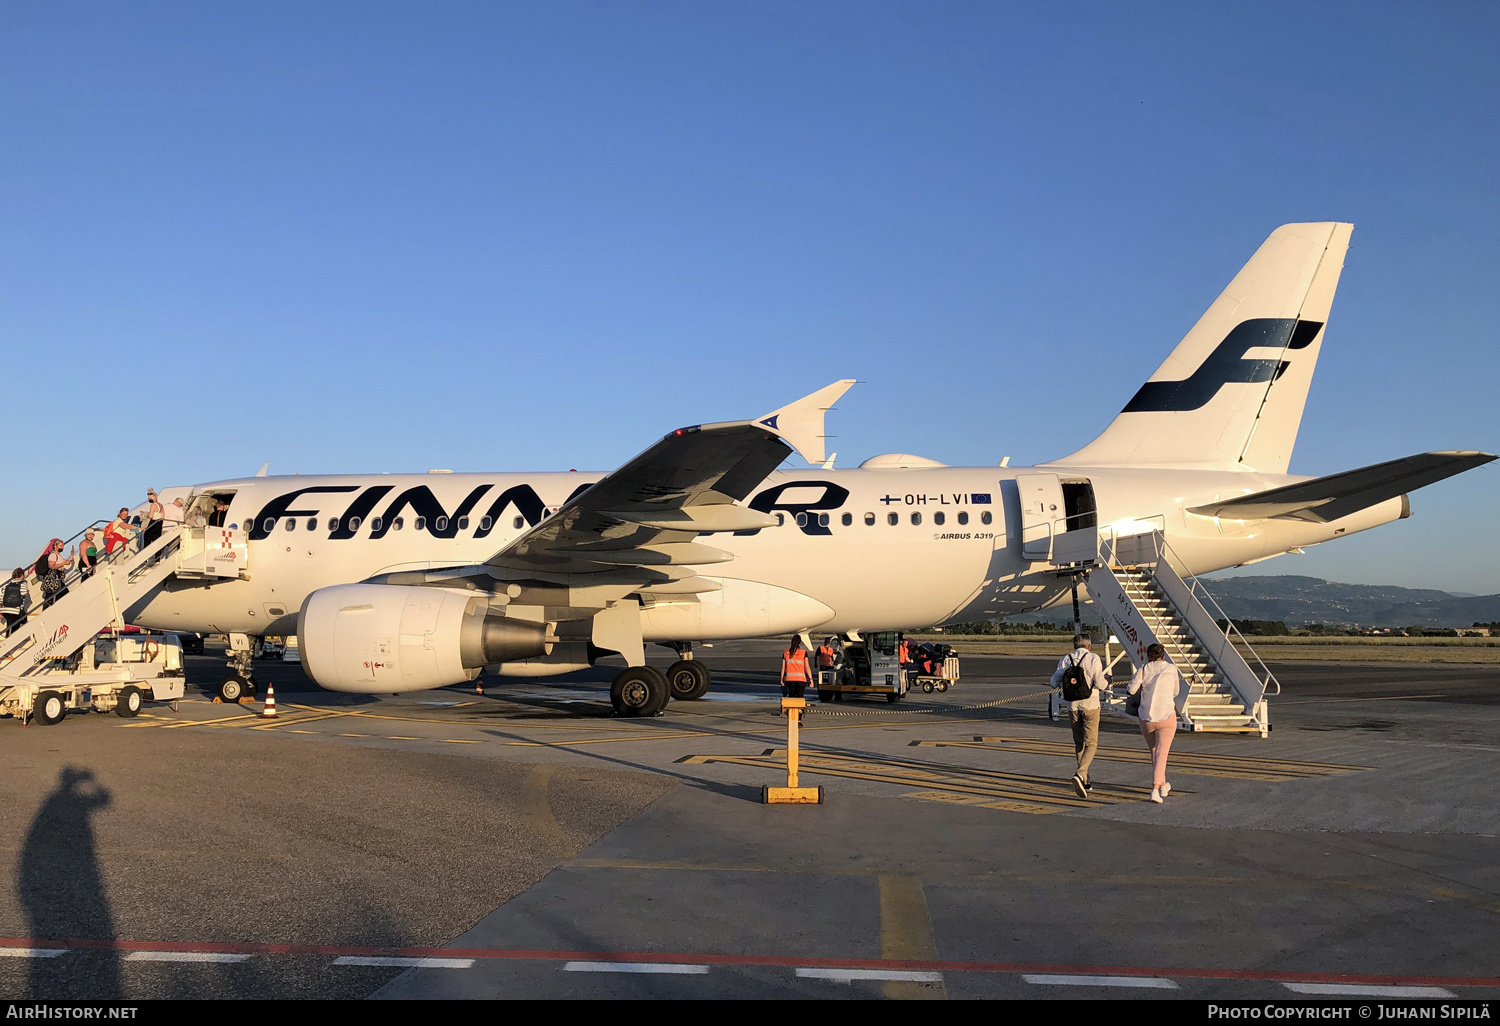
184	956
32	952
397	960
1367	990
847	975
1149	982
672	968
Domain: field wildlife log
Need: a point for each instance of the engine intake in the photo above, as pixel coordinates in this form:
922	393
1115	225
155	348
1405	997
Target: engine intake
380	638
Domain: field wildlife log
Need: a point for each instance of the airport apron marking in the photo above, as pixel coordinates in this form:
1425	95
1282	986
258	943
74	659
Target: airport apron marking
962	785
1237	767
43	947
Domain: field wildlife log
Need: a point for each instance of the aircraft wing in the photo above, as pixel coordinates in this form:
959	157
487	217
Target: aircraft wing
1324	499
648	512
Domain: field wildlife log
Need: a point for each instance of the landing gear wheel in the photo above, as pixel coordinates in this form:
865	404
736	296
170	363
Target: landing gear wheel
638	691
128	703
689	679
234	688
49	708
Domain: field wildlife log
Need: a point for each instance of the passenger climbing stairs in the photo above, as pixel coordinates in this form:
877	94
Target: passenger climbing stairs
88	606
1144	600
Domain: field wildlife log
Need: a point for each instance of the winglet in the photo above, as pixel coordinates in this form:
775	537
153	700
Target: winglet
800	424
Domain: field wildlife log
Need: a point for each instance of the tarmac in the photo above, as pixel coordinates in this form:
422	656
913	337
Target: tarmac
525	843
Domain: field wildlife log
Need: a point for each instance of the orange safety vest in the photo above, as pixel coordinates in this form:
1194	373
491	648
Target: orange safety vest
795	667
905	653
825	657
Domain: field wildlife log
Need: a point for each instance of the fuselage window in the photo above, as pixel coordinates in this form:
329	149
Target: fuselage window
801	519
938	518
249	525
398	523
893	519
463	523
869	519
963	518
333	523
781	520
486	524
312	523
986	517
354	523
518	523
847	519
441	524
822	519
291	523
916	518
420	523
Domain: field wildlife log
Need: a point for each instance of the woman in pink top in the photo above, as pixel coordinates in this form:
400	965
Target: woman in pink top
1158	682
117	534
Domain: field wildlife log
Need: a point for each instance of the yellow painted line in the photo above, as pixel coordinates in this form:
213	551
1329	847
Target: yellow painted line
1197	763
458	741
396	737
356	735
303	732
1038	793
1378	698
906	933
536	805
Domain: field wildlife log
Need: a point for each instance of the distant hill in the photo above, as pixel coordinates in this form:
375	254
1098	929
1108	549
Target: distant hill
1303	600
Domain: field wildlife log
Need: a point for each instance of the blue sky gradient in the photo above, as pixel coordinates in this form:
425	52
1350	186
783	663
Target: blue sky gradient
484	236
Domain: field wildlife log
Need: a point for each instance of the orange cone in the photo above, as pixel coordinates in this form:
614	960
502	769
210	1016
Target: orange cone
269	712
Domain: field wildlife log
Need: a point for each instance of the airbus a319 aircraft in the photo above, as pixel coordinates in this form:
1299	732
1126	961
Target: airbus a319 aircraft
397	583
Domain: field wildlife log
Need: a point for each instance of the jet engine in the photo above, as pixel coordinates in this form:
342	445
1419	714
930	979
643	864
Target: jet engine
381	638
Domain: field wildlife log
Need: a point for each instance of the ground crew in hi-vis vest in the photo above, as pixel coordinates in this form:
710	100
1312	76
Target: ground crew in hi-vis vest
796	669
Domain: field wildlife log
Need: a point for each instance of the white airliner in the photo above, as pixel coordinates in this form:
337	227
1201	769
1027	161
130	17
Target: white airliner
402	582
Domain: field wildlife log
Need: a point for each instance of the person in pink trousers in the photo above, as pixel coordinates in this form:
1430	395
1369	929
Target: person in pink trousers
1158	682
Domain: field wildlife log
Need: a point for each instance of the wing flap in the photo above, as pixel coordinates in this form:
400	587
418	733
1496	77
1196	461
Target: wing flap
1329	498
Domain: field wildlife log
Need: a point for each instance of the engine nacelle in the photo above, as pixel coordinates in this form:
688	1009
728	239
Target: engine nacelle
381	638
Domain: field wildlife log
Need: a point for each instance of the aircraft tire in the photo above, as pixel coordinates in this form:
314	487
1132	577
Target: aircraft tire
689	679
128	702
234	688
50	707
639	691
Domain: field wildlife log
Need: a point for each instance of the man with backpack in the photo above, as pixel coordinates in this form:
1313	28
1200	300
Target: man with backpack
1081	676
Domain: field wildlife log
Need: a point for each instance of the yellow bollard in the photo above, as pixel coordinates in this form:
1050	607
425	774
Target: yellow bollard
792	794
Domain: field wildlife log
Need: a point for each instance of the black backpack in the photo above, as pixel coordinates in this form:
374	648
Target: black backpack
11	598
1075	687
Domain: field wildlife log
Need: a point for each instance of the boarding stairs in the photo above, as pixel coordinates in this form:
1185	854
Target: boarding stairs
1136	585
90	605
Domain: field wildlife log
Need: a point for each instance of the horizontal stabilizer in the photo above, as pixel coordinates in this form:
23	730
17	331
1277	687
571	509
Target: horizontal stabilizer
1324	499
800	424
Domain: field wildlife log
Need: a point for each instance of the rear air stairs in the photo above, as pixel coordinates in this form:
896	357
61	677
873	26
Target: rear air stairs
1143	599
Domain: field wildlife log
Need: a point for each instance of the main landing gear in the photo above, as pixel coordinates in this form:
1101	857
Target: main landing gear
639	691
645	690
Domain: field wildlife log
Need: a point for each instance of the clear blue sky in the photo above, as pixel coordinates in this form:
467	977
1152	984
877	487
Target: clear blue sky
490	236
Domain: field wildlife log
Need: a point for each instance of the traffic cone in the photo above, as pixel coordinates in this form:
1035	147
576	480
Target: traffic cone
269	712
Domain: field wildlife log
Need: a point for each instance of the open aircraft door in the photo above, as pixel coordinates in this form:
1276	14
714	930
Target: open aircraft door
1042	510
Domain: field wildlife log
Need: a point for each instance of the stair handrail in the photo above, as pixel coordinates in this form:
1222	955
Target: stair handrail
73	573
1202	594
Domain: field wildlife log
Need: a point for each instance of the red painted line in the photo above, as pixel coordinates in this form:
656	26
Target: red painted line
525	954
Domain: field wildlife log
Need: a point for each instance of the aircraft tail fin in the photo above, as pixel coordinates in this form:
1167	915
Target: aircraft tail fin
1231	395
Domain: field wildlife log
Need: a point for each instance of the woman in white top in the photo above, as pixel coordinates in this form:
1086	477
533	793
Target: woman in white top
1158	682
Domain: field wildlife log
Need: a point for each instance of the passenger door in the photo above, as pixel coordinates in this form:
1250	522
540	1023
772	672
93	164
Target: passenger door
1042	510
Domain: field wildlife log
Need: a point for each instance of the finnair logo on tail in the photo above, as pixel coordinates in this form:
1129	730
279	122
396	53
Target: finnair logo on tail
1227	364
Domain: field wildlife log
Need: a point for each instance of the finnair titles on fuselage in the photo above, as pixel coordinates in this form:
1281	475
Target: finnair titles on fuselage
400	582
